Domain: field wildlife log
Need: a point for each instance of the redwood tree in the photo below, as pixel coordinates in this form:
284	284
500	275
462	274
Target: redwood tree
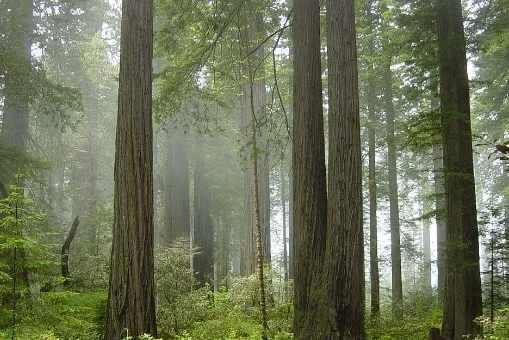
131	304
308	158
462	282
344	259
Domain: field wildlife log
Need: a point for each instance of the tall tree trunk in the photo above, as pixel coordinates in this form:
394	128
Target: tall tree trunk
373	226
131	303
440	218
290	178
308	161
397	285
283	211
255	99
203	261
177	201
344	259
15	118
463	283
16	96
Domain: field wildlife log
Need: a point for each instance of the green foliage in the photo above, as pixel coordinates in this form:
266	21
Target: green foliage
180	304
24	252
62	315
419	311
497	329
89	254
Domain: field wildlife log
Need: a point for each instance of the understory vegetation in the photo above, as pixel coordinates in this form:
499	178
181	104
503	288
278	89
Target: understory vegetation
198	313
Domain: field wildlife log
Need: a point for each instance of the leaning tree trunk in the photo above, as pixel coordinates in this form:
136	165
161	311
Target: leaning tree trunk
131	304
64	253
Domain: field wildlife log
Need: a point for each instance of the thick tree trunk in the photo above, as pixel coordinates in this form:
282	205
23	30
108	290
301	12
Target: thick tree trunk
463	283
309	181
131	304
344	259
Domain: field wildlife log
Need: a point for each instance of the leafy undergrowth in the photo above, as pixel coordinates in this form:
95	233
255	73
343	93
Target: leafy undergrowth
411	321
57	315
70	315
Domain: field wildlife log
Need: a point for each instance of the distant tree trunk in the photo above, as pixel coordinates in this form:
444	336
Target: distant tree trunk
131	304
290	178
64	253
438	176
224	238
463	284
308	161
397	285
203	262
426	247
373	228
16	96
283	211
177	201
344	260
438	170
16	93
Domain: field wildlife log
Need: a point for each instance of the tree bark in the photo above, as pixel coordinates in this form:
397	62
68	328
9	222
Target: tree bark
344	259
131	304
462	285
309	181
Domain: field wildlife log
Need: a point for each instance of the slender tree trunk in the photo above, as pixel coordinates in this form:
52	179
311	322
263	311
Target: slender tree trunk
440	213
283	208
309	181
463	284
64	253
131	304
257	90
203	262
290	180
257	222
397	285
177	201
373	227
426	247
